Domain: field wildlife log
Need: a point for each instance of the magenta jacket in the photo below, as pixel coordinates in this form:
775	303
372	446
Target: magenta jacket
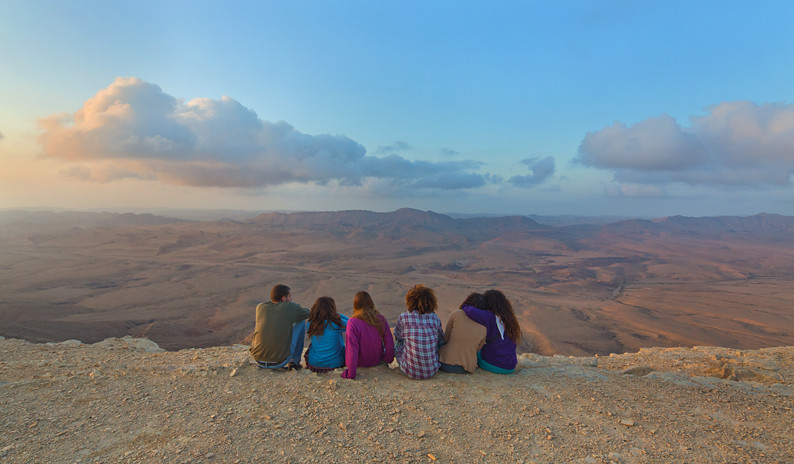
364	347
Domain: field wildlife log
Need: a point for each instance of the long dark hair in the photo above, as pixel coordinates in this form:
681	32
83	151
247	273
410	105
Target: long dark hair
474	299
497	303
364	309
323	310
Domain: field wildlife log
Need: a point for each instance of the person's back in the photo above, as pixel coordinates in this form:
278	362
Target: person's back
279	330
368	340
463	338
498	355
418	334
327	350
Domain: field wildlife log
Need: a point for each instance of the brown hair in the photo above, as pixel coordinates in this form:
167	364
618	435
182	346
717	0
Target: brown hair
497	303
475	300
323	311
364	309
422	299
278	292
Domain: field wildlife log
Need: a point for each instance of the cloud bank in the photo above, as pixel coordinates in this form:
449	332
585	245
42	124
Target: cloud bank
737	143
132	129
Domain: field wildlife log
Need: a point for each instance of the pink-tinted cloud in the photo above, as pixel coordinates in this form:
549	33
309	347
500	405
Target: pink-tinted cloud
133	129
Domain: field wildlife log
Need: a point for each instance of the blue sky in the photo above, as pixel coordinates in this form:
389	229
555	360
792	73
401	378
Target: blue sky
589	108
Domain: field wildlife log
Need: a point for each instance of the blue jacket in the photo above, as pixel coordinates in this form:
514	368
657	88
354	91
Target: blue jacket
328	350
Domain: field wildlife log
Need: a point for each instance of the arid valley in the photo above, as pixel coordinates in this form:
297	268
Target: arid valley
578	289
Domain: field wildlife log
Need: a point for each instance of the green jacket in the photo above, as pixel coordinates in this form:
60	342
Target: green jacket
273	331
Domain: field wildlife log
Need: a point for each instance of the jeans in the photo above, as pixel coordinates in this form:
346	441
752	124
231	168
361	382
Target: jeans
295	347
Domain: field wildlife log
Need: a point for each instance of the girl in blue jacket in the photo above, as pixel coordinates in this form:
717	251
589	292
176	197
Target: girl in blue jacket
326	328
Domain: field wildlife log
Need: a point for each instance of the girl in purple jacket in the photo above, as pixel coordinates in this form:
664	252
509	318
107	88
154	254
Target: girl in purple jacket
503	333
368	339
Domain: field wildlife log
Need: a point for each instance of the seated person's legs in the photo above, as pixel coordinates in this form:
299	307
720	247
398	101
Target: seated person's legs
296	346
265	365
453	368
483	364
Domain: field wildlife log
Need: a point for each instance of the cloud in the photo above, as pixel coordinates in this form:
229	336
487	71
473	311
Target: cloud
541	170
396	146
635	191
448	152
736	143
132	129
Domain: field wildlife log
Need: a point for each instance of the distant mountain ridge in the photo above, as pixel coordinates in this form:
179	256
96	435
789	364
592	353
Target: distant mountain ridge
405	222
82	218
400	223
762	225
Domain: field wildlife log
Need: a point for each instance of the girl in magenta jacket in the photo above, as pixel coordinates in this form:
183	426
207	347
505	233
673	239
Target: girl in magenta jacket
368	339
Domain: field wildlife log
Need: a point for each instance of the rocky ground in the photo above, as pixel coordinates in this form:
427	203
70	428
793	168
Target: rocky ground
125	400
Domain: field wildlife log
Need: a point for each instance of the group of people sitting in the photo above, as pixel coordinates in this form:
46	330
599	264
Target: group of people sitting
483	333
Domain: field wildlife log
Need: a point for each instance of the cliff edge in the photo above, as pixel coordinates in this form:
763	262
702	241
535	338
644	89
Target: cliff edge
126	400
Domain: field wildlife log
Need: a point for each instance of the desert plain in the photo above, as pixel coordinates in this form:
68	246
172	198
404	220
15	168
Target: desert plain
581	288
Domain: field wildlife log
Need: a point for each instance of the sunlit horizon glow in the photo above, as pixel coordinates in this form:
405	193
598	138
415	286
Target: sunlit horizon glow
611	108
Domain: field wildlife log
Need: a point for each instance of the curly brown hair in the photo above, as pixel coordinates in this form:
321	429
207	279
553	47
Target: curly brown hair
364	309
497	303
323	312
421	299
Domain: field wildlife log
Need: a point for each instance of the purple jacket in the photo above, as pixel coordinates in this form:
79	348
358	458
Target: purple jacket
497	351
364	347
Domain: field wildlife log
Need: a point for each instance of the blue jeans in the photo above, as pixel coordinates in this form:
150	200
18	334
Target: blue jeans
295	347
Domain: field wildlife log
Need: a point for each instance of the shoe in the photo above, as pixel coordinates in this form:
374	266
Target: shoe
292	366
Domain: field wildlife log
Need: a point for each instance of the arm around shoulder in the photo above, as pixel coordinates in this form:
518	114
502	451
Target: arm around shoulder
477	315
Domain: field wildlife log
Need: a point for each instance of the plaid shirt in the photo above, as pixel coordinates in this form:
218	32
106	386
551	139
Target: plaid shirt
418	337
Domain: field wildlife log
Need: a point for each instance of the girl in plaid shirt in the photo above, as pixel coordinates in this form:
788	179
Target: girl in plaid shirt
418	334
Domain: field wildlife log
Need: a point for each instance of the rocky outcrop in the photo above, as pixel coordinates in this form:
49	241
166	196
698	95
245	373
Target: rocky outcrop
126	400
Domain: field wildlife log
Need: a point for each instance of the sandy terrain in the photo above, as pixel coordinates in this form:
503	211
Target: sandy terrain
578	290
124	400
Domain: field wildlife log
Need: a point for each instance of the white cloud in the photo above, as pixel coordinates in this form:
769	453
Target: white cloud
541	170
735	143
133	129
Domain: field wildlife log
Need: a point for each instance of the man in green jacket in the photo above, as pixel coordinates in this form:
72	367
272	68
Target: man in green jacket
279	332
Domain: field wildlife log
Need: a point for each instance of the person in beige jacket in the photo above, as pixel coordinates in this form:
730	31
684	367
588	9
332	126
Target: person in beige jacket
463	338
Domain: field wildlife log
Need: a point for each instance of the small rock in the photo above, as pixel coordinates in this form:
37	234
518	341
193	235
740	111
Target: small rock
233	373
627	422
